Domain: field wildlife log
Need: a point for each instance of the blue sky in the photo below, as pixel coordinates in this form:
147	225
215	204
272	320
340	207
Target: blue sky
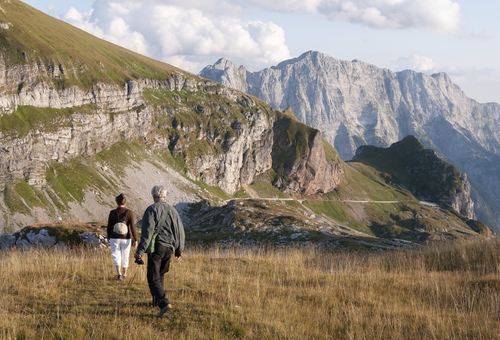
459	37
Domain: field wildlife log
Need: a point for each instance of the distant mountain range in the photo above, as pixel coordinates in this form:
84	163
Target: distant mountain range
354	103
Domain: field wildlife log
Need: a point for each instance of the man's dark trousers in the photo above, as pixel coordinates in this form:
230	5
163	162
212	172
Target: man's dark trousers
158	265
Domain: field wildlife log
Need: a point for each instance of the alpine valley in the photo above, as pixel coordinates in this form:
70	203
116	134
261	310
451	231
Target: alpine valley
82	120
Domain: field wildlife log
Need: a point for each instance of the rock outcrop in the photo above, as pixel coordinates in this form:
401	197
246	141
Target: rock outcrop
462	201
42	238
300	159
246	145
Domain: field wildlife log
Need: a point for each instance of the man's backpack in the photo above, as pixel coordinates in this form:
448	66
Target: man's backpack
120	227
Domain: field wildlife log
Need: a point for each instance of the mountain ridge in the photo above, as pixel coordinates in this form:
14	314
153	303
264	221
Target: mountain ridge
356	103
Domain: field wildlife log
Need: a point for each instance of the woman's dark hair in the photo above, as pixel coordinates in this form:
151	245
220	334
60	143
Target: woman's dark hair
120	199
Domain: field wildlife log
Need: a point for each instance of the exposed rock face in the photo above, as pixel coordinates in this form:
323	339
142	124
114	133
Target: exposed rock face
22	86
33	84
305	169
226	73
88	134
40	237
354	103
462	201
27	156
313	173
247	153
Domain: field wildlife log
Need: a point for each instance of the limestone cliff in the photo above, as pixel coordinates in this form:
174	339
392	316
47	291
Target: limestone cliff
87	132
224	137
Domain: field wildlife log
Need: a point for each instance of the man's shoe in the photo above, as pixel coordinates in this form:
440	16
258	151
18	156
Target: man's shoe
118	277
165	310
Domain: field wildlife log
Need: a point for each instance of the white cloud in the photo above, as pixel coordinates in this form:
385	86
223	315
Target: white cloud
442	16
116	30
308	6
481	84
416	63
186	37
81	20
194	33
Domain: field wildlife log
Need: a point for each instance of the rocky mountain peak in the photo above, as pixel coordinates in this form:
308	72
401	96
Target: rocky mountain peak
228	73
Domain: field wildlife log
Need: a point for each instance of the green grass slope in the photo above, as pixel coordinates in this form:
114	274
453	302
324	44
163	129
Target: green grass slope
34	37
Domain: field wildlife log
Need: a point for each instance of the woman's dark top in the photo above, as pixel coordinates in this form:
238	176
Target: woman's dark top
125	215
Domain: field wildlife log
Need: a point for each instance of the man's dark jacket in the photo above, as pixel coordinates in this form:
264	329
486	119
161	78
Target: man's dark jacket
171	232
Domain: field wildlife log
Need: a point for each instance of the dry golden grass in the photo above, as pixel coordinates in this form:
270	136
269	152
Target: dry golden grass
447	291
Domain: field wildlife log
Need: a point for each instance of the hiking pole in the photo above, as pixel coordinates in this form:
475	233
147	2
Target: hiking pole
129	284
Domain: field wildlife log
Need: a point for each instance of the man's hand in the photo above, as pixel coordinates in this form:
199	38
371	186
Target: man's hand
134	244
138	259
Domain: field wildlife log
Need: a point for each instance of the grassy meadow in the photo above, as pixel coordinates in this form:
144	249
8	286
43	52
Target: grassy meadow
443	291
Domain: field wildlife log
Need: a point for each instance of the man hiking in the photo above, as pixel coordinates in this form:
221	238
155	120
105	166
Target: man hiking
164	221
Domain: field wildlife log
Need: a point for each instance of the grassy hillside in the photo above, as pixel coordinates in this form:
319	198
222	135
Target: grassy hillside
446	291
34	37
